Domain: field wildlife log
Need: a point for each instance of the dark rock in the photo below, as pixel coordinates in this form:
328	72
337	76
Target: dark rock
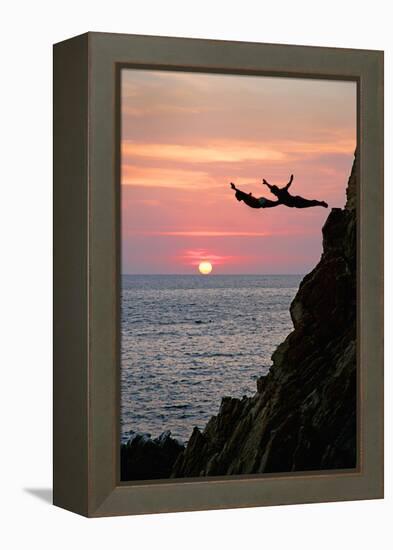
303	416
351	187
261	383
145	458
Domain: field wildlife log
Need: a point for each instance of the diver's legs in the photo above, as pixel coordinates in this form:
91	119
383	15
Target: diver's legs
300	202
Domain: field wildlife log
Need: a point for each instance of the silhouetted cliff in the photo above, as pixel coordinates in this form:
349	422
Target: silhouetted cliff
303	416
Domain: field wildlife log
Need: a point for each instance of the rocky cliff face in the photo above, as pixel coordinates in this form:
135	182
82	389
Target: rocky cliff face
303	416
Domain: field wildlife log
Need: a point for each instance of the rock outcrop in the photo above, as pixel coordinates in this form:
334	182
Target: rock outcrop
303	416
145	458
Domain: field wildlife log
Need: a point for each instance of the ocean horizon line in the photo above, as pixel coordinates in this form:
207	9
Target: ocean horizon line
212	275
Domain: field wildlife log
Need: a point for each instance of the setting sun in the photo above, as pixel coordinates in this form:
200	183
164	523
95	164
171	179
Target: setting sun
205	268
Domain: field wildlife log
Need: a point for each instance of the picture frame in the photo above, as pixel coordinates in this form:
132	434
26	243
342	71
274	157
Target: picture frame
86	274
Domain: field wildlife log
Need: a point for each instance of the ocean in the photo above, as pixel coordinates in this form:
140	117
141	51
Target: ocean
189	340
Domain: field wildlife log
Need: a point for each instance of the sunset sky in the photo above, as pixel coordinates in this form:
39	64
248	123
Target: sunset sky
186	136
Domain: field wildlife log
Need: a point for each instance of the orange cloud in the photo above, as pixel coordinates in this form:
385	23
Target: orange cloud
166	177
235	151
212	151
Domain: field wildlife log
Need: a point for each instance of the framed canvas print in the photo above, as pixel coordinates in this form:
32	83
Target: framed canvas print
218	318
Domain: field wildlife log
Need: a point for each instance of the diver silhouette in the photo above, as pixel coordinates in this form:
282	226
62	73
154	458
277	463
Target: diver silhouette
292	201
282	194
253	202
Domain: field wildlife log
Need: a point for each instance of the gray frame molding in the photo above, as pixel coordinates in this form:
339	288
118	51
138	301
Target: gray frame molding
86	271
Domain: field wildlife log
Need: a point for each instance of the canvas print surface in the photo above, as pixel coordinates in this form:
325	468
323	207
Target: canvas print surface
238	275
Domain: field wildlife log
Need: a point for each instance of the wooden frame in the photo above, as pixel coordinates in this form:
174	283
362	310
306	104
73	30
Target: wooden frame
86	270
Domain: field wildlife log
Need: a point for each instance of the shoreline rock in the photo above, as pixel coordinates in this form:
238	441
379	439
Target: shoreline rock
145	458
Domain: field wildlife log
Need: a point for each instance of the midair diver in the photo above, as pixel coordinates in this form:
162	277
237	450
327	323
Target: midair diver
282	194
292	201
253	202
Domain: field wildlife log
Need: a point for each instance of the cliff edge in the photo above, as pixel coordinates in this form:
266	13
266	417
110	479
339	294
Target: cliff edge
303	415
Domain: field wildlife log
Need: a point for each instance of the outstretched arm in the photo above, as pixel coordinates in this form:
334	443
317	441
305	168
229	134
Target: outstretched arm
288	185
266	183
233	186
